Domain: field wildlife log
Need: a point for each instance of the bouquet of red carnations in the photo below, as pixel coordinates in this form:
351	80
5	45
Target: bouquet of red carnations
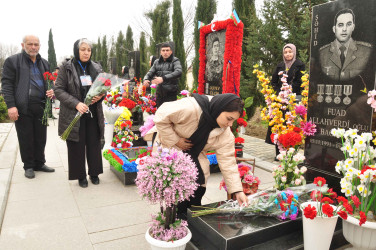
103	83
49	78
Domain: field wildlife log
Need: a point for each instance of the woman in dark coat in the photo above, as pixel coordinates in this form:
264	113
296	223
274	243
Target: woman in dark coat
86	138
293	67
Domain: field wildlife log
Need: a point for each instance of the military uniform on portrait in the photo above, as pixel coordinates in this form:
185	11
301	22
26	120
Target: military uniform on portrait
356	59
214	70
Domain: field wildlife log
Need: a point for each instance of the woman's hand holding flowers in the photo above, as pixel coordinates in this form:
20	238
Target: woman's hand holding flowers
82	108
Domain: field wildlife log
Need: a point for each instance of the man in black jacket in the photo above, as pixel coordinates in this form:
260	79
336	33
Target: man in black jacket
25	92
165	72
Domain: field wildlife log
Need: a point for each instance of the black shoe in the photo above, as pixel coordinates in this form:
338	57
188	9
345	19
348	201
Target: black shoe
276	159
53	118
94	180
45	168
29	173
83	183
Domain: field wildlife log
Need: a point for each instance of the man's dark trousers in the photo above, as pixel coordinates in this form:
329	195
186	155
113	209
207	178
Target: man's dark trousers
32	136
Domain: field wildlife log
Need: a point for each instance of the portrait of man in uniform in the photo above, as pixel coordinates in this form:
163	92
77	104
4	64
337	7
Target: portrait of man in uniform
344	58
215	51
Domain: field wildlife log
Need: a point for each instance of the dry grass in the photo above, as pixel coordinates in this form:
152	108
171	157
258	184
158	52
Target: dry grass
256	127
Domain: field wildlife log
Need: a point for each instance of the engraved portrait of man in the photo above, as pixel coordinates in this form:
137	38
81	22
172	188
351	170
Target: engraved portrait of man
215	51
344	58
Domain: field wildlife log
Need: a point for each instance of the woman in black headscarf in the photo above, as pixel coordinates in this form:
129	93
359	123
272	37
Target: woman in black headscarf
197	125
292	67
87	136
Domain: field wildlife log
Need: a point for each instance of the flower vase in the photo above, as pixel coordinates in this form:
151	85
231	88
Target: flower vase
163	245
108	135
318	233
361	237
238	150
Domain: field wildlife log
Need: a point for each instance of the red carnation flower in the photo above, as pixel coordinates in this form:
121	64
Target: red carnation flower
332	194
363	218
290	139
342	214
310	212
327	209
348	207
327	199
319	181
107	83
239	140
355	200
341	199
297	130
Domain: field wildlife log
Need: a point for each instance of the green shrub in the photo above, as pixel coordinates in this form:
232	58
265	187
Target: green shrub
3	110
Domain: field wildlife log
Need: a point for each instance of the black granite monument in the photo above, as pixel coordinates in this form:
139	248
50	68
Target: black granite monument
134	65
339	81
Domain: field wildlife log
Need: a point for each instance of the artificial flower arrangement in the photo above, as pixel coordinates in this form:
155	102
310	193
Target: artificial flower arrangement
113	97
358	170
148	104
289	127
126	159
280	204
101	85
123	134
49	78
288	174
149	123
324	200
249	181
167	177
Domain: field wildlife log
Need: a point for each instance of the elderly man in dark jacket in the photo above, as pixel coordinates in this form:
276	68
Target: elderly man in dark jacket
25	92
165	72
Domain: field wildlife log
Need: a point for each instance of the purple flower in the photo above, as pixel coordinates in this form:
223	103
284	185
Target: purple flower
300	110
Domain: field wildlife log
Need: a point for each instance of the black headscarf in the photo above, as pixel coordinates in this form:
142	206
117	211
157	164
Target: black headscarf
208	121
76	52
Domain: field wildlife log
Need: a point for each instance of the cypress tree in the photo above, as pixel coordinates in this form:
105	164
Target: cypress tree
178	38
51	52
205	11
120	52
160	27
129	42
104	53
144	62
98	51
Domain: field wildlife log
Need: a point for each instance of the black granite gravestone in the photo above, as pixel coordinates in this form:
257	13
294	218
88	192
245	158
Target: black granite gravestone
226	231
134	65
339	81
215	49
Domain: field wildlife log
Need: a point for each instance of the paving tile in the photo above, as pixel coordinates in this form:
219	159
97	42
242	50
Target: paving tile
135	242
61	234
119	233
41	210
104	194
117	216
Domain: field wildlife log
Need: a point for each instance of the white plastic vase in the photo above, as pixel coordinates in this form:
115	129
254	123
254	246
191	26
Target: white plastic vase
361	237
318	233
108	135
163	245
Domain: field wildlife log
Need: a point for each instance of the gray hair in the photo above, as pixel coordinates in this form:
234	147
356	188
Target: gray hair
85	40
25	38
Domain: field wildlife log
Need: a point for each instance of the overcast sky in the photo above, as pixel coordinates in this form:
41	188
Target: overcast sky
71	20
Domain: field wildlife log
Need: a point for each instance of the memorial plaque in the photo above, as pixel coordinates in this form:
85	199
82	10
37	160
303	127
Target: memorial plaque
342	71
134	65
215	49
